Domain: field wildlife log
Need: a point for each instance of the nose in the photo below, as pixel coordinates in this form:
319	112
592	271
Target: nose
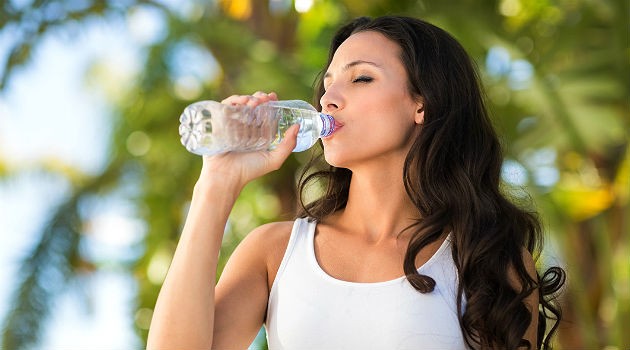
331	101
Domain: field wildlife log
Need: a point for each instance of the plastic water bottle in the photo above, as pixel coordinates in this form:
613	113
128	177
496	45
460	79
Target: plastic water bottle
210	127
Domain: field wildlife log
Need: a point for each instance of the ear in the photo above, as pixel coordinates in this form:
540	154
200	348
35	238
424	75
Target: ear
419	116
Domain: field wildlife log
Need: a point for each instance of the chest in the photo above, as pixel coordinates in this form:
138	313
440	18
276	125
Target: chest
350	259
309	308
386	315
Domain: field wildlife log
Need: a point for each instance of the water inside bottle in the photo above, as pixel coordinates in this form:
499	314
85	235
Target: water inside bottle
289	115
209	127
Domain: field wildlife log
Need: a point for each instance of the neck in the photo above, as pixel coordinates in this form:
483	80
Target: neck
378	204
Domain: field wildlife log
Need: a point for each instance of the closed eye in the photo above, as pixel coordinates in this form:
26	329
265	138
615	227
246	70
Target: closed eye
363	79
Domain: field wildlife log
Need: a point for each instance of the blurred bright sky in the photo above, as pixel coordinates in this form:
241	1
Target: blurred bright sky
47	112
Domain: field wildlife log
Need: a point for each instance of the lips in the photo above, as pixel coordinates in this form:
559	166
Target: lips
337	125
330	125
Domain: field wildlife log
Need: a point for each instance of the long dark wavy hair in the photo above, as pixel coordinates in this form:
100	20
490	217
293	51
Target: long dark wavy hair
452	176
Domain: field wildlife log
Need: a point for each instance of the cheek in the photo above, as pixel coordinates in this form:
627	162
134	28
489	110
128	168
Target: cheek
395	122
392	128
363	141
382	119
394	134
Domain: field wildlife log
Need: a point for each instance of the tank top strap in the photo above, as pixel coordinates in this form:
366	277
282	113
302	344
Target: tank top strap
303	230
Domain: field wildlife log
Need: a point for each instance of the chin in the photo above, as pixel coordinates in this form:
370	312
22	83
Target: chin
333	157
331	160
340	157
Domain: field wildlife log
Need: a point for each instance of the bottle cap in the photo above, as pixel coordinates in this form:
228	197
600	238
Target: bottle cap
328	125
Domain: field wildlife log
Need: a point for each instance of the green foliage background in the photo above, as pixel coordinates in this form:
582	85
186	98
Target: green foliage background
570	117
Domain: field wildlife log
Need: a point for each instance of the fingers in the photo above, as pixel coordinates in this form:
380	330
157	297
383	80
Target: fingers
253	100
236	100
266	96
284	149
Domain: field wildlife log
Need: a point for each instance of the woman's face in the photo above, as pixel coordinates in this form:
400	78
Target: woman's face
367	93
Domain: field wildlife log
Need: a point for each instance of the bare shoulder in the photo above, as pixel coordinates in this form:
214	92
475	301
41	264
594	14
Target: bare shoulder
262	244
270	242
260	252
270	235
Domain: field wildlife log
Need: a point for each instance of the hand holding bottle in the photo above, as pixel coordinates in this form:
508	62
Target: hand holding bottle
238	168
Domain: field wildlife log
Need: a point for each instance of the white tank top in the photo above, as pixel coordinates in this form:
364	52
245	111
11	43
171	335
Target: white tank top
309	309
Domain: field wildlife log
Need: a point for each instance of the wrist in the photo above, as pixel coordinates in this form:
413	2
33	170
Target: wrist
213	200
217	186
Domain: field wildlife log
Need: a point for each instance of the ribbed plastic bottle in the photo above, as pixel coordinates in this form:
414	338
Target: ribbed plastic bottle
210	127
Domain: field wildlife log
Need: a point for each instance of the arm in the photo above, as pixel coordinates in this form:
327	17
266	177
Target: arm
185	313
243	289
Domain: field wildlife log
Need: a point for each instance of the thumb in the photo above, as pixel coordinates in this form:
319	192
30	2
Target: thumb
284	149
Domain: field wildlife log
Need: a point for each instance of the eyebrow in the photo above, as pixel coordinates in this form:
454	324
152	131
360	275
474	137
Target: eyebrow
353	64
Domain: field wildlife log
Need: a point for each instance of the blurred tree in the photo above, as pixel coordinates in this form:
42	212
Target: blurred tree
556	75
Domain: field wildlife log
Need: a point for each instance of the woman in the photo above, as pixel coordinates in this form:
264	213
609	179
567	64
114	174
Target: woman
412	245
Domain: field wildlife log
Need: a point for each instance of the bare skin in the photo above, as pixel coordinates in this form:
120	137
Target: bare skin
378	208
189	306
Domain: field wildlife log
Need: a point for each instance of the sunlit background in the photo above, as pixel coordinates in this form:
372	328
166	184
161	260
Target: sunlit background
94	185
